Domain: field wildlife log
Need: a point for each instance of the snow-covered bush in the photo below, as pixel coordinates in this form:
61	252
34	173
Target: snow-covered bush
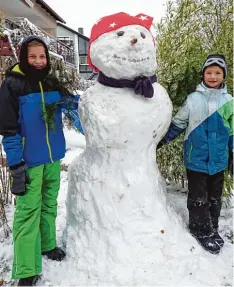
1	25
5	196
170	162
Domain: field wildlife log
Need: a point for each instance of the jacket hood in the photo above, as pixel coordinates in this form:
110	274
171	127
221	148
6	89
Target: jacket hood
204	89
14	71
23	59
30	72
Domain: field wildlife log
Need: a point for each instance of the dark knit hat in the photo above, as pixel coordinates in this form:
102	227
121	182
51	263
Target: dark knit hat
215	60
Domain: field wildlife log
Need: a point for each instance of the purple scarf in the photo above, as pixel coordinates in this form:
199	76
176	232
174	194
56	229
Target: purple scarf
141	85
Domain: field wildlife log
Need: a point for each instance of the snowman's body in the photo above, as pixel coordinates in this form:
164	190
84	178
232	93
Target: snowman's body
119	226
118	165
116	203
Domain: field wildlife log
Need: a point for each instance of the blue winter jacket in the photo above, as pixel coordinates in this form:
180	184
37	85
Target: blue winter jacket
207	116
26	134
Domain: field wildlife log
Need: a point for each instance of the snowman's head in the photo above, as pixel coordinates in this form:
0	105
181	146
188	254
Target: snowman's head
124	53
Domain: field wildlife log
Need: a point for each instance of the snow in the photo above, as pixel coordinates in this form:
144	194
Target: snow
55	55
194	274
72	146
8	34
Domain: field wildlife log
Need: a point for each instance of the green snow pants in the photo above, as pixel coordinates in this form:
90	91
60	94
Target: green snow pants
34	229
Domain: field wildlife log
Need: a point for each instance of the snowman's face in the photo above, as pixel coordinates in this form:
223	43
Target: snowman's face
126	53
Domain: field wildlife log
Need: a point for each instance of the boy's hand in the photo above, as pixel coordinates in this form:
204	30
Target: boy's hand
19	179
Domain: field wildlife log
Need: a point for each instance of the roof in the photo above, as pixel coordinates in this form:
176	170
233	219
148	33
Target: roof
50	10
73	31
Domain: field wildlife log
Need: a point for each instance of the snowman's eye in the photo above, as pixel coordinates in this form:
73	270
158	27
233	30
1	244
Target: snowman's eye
120	33
143	35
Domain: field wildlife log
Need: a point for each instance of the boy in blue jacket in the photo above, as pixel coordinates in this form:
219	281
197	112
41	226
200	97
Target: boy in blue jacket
207	116
33	147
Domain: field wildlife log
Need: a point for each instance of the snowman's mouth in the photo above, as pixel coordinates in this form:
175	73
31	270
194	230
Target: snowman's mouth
131	60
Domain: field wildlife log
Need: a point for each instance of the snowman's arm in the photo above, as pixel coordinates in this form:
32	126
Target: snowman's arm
71	102
70	110
74	117
178	125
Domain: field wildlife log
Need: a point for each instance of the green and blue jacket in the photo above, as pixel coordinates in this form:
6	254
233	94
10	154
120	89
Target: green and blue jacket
27	135
207	117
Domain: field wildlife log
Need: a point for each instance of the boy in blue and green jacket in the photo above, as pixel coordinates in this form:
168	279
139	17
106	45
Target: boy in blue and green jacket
207	116
33	147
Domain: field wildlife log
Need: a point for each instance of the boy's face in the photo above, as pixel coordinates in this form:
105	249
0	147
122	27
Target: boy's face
37	57
213	76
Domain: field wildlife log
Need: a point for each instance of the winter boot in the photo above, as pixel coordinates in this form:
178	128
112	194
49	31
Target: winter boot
217	238
29	281
209	244
56	254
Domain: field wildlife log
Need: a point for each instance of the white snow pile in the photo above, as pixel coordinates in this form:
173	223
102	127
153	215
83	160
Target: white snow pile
66	273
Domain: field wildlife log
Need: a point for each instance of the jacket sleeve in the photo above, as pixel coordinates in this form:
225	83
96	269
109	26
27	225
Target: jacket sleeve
230	143
9	124
70	110
178	125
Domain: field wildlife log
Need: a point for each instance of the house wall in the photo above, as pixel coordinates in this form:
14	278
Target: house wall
47	22
50	31
37	15
63	32
6	13
76	44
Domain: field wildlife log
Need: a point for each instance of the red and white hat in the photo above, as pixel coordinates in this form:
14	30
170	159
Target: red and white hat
114	22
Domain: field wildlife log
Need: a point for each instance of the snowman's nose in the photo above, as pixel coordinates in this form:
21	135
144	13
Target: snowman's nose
133	41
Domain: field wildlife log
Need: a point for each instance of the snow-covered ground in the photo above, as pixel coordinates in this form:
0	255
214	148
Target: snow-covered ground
64	273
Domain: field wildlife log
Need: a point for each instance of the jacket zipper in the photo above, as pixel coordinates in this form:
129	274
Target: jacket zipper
46	124
23	142
190	151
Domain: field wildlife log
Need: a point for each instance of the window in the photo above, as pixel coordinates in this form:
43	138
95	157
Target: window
83	69
89	69
83	46
83	60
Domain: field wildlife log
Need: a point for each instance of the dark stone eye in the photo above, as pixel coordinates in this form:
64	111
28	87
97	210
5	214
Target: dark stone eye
120	33
143	35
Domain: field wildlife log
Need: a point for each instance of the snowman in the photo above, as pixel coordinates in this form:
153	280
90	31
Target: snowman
120	229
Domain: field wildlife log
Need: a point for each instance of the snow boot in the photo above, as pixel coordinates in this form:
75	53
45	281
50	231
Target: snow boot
218	239
209	244
56	254
29	281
